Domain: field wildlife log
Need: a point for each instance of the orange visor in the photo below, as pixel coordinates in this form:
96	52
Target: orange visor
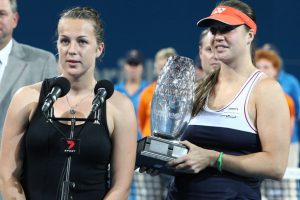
228	15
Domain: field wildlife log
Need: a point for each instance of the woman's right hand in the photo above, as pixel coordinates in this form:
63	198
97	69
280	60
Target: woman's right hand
195	161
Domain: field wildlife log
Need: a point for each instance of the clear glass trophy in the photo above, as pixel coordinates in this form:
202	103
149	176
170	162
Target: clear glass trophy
171	109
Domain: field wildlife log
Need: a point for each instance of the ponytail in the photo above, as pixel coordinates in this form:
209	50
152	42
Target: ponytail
203	89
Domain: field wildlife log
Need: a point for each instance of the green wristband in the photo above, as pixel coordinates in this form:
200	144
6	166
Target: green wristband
219	161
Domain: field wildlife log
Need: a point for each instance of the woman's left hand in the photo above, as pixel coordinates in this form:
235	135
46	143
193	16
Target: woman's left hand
196	160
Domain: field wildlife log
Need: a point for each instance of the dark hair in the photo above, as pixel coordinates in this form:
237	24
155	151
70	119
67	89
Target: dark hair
205	85
241	6
203	88
87	14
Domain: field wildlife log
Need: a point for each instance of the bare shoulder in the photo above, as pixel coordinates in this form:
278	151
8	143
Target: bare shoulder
269	94
29	92
27	97
268	86
23	104
121	113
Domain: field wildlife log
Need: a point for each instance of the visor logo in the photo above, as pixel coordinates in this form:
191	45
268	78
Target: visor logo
218	10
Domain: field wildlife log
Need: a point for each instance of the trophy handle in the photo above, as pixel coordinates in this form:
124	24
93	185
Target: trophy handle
154	152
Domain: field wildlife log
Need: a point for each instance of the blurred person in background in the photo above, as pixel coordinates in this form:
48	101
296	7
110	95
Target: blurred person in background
133	83
132	86
208	60
291	87
205	62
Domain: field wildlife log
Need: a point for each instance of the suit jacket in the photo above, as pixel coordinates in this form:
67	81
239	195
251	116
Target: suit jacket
26	65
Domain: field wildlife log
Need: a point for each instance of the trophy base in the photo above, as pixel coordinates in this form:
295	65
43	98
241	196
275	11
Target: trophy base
154	153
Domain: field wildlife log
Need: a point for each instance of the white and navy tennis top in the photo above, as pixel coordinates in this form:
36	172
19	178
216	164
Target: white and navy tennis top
228	129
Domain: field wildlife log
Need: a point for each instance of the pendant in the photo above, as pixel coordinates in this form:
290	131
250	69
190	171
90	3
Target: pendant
72	111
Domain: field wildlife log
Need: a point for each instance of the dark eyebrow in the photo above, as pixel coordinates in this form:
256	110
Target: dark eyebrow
79	37
82	37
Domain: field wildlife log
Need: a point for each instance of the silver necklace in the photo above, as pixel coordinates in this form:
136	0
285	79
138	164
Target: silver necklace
72	109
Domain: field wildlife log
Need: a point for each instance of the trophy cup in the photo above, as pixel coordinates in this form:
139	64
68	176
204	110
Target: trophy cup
171	108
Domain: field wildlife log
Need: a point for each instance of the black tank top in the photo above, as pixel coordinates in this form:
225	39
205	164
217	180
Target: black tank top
44	160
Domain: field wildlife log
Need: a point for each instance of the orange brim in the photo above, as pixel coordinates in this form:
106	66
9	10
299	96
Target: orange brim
226	19
228	15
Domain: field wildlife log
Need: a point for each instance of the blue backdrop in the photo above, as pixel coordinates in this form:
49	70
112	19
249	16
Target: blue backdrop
152	24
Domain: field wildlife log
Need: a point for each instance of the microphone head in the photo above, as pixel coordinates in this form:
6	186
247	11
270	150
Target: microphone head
107	85
63	84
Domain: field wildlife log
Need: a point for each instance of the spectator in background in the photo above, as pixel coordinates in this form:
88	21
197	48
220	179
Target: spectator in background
133	71
208	61
132	87
290	85
133	84
20	64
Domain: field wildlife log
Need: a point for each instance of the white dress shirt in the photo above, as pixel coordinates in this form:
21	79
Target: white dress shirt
4	53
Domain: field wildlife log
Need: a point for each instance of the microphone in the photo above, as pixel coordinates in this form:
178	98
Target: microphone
60	87
103	90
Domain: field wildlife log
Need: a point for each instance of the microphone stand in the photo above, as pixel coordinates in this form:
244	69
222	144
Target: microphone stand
66	183
65	189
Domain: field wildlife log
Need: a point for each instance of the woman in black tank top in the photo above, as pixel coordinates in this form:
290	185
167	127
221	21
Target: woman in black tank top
47	148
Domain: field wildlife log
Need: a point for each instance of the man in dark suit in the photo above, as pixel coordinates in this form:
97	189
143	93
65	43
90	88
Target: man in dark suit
20	64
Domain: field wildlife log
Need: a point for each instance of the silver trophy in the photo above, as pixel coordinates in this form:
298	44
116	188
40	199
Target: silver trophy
171	109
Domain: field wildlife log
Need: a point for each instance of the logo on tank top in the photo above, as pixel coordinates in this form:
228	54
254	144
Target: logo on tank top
231	112
70	146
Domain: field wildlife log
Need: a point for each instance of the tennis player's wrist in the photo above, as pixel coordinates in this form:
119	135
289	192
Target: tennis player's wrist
213	159
220	162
